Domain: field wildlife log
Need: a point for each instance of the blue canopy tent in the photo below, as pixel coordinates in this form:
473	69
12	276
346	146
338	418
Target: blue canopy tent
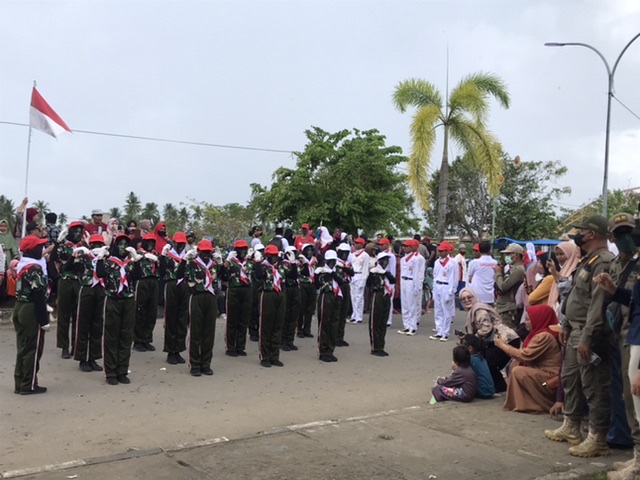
501	243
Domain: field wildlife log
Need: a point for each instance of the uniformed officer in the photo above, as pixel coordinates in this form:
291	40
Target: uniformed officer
308	293
507	284
30	317
586	370
292	310
254	320
327	282
176	296
200	273
146	296
379	282
238	272
445	283
361	262
412	270
90	322
344	269
385	246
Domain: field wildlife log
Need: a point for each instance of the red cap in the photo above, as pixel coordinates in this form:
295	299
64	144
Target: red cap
205	246
240	244
30	242
359	240
426	239
445	247
271	250
31	212
408	243
121	235
305	225
179	237
149	236
96	238
76	224
539	253
476	247
384	241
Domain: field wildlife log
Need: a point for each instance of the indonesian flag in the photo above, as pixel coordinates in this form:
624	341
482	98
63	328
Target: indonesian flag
43	118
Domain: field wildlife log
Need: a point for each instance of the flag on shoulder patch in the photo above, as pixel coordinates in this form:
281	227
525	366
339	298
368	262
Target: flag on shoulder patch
42	117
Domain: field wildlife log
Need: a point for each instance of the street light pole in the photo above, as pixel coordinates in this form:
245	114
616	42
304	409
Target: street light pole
610	75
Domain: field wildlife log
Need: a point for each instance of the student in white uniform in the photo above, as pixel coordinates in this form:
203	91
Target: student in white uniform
481	273
463	277
360	263
445	284
412	271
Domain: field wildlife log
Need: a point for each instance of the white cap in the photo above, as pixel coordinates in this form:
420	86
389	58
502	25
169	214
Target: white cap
344	247
382	255
259	246
290	248
331	255
305	245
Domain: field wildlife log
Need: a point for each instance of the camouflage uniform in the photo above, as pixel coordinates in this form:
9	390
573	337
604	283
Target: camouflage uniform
345	272
381	293
68	293
176	297
239	303
90	321
328	312
292	310
272	308
146	295
308	297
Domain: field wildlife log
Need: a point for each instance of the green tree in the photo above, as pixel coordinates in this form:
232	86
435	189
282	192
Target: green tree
183	218
62	219
132	207
150	211
346	180
463	116
7	211
115	212
617	201
42	207
170	217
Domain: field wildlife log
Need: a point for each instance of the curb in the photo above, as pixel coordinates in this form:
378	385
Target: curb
138	453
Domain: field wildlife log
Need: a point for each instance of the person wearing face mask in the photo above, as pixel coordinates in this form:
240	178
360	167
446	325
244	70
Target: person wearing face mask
304	237
540	295
201	272
30	317
327	282
292	310
160	235
176	295
507	284
379	282
64	252
587	377
308	294
119	272
344	269
238	272
146	296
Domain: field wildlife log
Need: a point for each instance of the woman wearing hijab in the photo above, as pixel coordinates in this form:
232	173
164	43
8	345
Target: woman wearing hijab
323	241
540	296
536	364
8	242
568	255
484	322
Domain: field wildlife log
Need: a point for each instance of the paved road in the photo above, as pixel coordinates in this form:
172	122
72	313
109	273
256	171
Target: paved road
165	409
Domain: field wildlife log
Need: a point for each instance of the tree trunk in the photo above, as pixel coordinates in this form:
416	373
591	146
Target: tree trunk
443	187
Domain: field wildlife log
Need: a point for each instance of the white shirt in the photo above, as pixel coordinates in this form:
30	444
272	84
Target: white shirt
360	263
391	267
412	270
445	274
462	261
481	274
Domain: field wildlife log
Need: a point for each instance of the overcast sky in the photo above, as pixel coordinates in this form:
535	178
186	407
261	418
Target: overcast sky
259	73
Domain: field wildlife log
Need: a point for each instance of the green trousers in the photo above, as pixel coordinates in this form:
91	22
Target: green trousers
292	314
308	296
146	309
119	321
203	311
378	316
345	304
176	298
328	313
68	294
272	313
29	346
89	324
239	305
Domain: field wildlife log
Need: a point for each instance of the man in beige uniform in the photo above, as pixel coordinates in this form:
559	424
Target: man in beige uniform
586	370
507	284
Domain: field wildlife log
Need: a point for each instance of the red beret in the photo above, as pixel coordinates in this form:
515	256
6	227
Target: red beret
96	238
179	237
205	246
240	244
30	242
359	240
384	241
271	250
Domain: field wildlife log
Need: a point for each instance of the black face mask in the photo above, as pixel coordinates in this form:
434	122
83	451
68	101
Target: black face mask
579	240
383	263
75	235
308	253
272	259
35	253
331	263
162	233
242	253
205	256
120	250
148	245
343	255
179	247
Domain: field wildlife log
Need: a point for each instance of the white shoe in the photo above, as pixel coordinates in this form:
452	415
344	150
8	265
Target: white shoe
358	321
435	337
444	339
411	332
404	332
434	330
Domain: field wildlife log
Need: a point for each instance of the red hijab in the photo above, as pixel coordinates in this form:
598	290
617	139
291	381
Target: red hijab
541	317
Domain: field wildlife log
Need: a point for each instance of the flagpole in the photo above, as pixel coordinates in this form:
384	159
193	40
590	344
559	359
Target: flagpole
26	179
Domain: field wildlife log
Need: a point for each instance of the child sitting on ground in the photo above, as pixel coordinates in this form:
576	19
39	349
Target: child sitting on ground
462	384
486	387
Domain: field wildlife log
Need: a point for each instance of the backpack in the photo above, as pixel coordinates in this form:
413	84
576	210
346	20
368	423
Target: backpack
277	241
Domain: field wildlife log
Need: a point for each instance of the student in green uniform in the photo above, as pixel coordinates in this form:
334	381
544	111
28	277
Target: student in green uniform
379	283
146	296
30	317
328	284
308	294
176	296
344	269
254	319
292	310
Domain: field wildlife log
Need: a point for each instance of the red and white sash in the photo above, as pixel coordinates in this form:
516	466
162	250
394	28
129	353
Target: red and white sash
124	282
244	278
208	278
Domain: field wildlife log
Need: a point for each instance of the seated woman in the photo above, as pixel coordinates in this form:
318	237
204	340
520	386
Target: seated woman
535	364
462	384
485	323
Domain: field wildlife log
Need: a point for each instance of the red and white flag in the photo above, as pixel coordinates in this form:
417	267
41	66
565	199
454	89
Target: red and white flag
43	118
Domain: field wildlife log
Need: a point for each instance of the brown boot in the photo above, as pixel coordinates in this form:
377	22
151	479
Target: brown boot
630	470
568	432
595	445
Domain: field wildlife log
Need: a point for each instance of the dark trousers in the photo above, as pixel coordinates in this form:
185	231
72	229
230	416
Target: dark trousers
345	305
203	311
68	293
380	305
119	320
292	315
308	297
272	311
89	324
29	346
254	319
176	297
497	360
328	312
619	433
238	305
146	309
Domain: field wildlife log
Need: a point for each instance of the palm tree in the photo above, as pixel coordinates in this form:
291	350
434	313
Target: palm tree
62	219
115	212
183	217
151	212
42	207
464	117
132	207
7	210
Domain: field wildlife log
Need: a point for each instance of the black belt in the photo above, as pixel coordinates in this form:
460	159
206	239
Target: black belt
407	278
442	283
357	273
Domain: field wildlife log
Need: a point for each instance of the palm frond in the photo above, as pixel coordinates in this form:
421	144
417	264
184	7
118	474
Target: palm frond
467	97
483	148
423	137
416	93
489	84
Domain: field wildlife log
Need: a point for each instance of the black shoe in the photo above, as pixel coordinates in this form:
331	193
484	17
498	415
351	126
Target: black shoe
206	371
253	337
95	366
123	379
139	347
112	380
277	363
333	358
171	359
308	335
384	354
241	353
179	358
85	367
342	343
65	354
265	363
37	389
195	372
149	347
377	353
292	347
300	335
325	358
285	347
231	353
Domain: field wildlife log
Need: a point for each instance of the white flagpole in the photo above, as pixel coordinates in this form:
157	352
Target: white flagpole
26	178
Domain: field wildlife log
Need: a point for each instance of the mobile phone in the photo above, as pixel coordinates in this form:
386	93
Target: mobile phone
458	333
595	359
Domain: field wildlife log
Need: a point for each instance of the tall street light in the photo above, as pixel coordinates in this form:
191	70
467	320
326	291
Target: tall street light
610	74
